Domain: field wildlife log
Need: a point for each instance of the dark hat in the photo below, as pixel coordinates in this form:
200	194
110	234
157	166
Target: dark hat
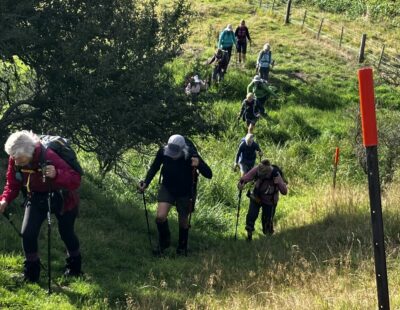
264	170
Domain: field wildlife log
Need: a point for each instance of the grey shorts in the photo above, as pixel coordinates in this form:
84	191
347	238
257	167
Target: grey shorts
182	203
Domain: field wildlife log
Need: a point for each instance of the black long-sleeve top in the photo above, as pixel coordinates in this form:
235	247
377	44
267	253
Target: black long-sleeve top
177	174
241	33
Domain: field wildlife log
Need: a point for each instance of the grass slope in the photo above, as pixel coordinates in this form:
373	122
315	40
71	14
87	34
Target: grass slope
321	255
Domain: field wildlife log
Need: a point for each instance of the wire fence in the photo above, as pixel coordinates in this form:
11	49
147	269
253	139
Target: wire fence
369	50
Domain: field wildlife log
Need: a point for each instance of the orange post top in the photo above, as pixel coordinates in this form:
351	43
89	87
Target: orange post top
337	156
367	107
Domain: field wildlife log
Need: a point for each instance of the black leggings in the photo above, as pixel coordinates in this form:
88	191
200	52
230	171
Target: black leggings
36	212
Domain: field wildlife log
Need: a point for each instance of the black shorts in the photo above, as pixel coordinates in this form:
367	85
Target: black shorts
182	203
241	47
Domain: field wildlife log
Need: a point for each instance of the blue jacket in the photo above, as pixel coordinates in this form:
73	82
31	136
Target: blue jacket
226	39
264	59
247	154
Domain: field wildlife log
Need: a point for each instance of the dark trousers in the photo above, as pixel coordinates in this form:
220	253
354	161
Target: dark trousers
264	73
36	212
229	50
218	73
260	102
268	212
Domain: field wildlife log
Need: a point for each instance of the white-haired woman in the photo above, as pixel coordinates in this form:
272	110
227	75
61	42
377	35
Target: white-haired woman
180	161
55	179
264	61
226	40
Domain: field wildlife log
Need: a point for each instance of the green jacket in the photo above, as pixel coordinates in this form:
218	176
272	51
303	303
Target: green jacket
260	89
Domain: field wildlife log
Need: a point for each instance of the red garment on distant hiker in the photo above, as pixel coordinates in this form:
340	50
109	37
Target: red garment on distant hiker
66	179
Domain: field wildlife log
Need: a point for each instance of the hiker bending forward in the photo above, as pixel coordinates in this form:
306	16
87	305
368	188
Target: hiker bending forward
249	112
42	178
246	154
268	184
180	162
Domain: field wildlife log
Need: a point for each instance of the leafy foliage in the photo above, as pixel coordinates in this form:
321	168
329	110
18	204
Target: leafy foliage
94	73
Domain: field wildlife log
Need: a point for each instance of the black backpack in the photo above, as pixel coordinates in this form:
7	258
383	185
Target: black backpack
63	149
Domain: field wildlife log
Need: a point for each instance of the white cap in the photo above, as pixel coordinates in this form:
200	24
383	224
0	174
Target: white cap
174	149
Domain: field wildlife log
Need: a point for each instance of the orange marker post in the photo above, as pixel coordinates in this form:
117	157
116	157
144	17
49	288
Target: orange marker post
370	140
335	166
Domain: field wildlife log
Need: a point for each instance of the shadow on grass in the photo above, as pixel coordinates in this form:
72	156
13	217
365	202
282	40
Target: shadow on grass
121	271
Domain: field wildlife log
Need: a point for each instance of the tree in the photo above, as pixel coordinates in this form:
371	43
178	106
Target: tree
94	72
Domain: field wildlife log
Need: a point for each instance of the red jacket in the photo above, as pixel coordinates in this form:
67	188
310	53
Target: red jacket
66	179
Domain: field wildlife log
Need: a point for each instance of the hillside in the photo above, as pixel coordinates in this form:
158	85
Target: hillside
320	256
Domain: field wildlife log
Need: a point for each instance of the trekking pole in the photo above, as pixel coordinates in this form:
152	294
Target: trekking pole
49	242
238	212
147	219
48	226
7	216
335	166
195	176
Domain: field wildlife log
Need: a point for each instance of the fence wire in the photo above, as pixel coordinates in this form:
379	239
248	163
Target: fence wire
378	54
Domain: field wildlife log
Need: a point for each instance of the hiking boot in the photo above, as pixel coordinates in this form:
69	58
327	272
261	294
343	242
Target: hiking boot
164	238
264	227
271	228
32	271
73	266
249	235
183	240
268	228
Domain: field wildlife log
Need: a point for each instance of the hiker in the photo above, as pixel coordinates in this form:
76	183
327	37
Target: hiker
261	91
221	61
194	87
226	40
246	154
242	35
179	160
264	61
41	177
249	112
265	194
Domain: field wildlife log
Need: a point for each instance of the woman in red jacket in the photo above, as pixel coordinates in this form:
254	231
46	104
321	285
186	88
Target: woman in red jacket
56	181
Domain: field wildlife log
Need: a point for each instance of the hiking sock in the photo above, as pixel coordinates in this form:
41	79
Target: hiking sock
183	240
164	237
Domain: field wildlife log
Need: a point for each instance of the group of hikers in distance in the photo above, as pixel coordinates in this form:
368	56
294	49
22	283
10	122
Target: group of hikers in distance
45	169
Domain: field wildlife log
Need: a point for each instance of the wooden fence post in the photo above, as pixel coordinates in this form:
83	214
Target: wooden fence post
320	28
361	55
304	19
287	18
380	58
341	37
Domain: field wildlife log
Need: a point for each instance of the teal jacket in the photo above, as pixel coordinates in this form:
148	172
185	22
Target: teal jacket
260	89
226	39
